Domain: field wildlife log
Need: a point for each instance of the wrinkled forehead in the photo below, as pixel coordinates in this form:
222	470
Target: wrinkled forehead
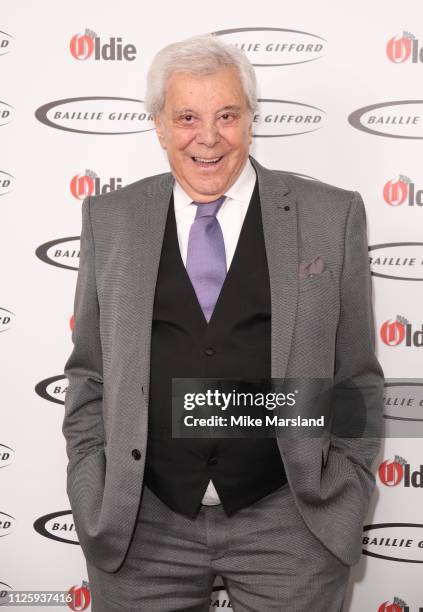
221	89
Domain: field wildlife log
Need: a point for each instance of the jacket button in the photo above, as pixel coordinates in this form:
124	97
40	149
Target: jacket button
136	454
212	460
209	351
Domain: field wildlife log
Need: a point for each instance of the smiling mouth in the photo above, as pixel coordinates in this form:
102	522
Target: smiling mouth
204	162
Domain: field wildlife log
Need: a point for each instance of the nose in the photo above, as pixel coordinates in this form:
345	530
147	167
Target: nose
208	134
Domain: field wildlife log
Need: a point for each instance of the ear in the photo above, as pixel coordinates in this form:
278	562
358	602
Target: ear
250	132
158	122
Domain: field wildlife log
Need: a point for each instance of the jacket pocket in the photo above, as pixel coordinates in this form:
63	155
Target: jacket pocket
314	281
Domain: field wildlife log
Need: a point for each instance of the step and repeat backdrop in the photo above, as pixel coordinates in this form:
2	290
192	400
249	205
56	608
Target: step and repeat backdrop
341	101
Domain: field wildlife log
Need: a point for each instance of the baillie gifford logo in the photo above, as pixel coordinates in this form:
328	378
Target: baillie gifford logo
398	471
62	252
275	46
400	331
52	389
402	190
6	182
5	42
89	183
405	48
394	119
6	319
275	118
90	46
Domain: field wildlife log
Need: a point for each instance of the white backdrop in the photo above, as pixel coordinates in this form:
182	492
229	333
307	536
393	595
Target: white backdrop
321	60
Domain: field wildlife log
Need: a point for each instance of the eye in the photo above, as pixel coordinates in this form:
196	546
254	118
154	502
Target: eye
227	117
187	118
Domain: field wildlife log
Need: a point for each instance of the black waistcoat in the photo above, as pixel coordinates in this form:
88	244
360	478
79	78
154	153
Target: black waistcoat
234	344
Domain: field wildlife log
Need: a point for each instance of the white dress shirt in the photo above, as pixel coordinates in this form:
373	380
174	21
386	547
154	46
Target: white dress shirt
231	216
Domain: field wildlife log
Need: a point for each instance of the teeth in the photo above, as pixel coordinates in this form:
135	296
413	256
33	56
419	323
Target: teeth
206	161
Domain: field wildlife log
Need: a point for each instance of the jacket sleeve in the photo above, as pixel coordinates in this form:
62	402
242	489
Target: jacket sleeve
358	376
83	420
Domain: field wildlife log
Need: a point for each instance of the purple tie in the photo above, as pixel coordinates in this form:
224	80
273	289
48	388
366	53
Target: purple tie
206	257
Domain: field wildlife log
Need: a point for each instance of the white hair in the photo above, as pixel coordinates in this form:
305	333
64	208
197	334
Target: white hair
198	55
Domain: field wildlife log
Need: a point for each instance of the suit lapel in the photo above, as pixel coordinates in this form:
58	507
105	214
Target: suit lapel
151	215
279	215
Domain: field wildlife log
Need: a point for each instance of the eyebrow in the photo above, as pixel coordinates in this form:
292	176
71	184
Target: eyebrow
232	107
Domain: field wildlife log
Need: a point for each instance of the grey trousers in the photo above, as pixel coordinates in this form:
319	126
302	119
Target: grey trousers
268	559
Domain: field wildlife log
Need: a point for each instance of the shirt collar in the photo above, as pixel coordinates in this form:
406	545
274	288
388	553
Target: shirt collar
241	190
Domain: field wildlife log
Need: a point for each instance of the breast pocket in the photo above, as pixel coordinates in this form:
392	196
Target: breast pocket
318	296
316	281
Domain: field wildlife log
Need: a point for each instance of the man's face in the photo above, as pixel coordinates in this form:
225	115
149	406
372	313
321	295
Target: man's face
205	118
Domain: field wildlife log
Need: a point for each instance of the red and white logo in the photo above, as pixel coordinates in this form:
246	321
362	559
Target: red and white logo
390	472
395	192
89	183
404	48
401	331
81	596
397	605
398	471
401	190
392	333
90	46
399	48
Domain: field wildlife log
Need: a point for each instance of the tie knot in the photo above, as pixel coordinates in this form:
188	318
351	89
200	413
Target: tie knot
208	209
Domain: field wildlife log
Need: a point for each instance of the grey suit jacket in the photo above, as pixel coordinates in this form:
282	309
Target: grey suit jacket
322	326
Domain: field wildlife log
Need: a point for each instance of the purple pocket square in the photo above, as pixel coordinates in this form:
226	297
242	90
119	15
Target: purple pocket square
312	268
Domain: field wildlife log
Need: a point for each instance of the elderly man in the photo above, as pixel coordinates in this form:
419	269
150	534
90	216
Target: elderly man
220	268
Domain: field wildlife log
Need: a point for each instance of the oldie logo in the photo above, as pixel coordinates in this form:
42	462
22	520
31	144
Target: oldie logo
399	119
90	46
63	252
393	472
405	48
57	526
80	596
276	46
286	118
106	115
401	190
397	260
401	331
397	605
394	542
89	183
